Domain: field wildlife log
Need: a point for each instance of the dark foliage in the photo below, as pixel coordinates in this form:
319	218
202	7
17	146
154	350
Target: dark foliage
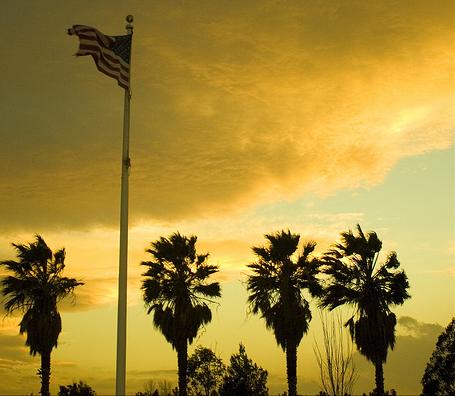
76	389
205	372
439	376
243	377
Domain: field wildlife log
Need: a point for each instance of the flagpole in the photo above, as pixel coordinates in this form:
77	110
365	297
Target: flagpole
120	375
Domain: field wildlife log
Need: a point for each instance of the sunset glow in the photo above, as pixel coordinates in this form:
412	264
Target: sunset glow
246	118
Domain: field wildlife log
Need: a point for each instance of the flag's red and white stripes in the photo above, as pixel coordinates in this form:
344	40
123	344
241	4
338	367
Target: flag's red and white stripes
110	53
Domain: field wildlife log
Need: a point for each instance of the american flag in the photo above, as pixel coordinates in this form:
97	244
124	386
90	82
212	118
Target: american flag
110	53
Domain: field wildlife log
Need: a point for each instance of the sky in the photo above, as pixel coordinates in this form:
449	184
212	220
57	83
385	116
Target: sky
246	118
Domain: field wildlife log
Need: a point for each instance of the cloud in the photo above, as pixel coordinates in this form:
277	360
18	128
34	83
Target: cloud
418	329
232	106
12	349
18	368
101	292
103	382
95	293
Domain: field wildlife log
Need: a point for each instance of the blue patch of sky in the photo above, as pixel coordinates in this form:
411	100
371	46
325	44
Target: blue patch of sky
416	201
413	211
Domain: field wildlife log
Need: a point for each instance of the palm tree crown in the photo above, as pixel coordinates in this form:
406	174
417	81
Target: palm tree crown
356	279
275	288
177	290
35	288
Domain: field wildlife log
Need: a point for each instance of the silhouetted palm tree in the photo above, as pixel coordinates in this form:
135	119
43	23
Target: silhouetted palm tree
356	279
35	288
275	289
177	289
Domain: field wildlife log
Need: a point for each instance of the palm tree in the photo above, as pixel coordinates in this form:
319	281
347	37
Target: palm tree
34	288
356	279
177	290
275	289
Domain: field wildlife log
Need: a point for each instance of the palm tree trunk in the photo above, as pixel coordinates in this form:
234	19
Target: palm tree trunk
379	377
45	372
182	361
291	369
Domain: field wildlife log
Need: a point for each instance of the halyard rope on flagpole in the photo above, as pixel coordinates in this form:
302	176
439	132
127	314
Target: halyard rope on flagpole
120	375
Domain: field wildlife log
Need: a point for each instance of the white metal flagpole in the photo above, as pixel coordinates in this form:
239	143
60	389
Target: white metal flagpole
120	375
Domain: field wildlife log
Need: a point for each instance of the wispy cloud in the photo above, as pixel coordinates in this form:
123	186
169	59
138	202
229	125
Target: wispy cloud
419	329
18	368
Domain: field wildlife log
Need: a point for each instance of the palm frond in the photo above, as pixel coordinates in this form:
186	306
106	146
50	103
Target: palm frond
176	287
34	288
282	245
208	290
276	283
355	279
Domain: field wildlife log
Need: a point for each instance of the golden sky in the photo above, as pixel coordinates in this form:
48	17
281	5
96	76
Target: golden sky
247	117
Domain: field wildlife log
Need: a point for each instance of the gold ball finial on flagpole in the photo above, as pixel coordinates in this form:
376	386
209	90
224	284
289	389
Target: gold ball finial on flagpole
129	24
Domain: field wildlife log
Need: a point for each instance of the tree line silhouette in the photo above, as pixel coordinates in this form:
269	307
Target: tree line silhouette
178	291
